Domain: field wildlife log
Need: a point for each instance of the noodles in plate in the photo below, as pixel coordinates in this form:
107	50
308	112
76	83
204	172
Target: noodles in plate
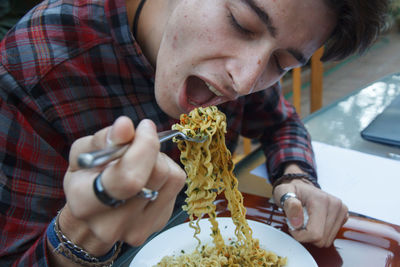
209	168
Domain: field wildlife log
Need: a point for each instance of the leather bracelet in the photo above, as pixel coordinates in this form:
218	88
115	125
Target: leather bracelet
292	176
62	245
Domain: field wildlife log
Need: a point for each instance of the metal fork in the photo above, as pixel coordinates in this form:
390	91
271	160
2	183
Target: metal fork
103	156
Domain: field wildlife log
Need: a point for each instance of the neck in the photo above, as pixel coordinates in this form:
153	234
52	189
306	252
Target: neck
150	25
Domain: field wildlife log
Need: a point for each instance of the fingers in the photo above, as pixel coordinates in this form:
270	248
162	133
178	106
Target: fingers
139	218
325	222
157	213
121	132
133	170
315	230
294	212
124	177
78	183
337	222
166	167
142	165
327	214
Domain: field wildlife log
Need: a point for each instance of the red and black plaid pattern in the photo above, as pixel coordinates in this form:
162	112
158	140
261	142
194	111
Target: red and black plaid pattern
70	68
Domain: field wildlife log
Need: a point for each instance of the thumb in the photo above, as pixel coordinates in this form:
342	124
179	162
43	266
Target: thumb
294	213
121	132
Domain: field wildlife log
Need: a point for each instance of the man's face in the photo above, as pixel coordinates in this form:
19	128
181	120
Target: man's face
214	51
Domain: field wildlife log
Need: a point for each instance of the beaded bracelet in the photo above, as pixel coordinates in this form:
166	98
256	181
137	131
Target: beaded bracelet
68	249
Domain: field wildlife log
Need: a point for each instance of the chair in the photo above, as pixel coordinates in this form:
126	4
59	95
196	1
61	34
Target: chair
316	91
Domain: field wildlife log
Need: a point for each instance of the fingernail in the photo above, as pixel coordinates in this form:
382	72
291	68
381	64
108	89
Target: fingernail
109	137
296	222
147	124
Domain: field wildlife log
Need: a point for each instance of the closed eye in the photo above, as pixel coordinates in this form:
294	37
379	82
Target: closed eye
236	25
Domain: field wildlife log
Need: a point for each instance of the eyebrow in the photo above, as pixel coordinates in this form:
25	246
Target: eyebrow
264	17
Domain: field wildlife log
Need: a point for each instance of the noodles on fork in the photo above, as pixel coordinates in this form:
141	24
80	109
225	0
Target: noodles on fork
209	168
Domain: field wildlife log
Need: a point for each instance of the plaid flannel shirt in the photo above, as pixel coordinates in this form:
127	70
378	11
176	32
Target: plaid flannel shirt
70	68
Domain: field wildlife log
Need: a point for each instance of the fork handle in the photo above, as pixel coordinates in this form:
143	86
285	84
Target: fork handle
102	156
108	154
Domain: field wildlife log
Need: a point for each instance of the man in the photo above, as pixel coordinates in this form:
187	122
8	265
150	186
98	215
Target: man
70	69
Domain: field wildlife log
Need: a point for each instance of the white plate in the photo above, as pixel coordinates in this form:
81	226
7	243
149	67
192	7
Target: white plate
180	237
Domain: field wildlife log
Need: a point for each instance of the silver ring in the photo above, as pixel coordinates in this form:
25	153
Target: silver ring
286	197
305	213
102	195
148	194
108	200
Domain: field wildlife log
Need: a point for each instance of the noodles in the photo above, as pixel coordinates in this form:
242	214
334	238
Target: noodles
209	169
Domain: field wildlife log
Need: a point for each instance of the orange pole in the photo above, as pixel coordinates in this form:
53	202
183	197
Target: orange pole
317	71
296	87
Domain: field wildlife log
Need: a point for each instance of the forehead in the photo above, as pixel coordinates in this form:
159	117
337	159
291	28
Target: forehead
305	23
292	6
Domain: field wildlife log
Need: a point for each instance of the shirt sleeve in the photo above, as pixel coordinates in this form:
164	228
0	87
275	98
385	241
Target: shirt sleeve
31	176
272	120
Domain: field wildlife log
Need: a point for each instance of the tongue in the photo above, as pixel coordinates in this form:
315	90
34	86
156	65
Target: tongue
197	91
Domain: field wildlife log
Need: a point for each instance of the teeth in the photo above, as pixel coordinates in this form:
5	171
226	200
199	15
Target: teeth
212	89
192	103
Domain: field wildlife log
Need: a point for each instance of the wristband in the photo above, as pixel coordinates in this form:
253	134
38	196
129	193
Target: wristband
62	245
293	176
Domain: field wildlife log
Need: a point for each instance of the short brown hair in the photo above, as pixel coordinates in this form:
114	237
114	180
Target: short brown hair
359	22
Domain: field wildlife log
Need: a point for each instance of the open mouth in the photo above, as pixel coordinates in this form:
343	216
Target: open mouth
212	89
200	92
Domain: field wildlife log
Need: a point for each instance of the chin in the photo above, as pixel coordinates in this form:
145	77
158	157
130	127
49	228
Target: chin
174	115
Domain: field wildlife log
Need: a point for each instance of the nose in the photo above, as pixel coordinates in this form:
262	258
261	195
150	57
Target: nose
248	69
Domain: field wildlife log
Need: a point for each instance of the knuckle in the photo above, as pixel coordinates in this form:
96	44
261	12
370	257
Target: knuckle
161	224
301	237
122	183
77	209
179	178
319	244
107	234
162	220
76	147
175	185
130	185
150	142
78	143
163	167
317	237
176	175
296	235
329	243
137	238
325	197
336	202
345	209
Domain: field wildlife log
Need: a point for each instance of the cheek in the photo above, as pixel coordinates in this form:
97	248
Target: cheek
269	78
207	32
198	38
175	43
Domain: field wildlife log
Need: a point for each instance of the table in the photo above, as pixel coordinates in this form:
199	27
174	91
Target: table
362	241
341	122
